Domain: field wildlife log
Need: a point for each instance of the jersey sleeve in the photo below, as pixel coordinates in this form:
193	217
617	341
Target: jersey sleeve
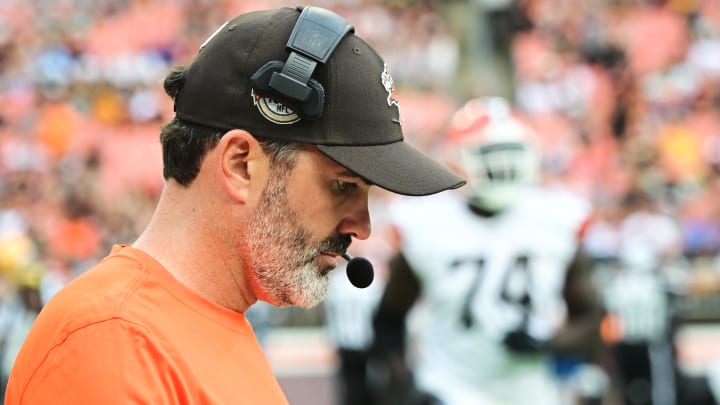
109	362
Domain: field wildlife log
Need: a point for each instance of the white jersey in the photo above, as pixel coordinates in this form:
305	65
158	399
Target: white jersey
482	278
349	311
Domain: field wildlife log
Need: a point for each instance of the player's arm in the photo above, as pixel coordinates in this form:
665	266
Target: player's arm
401	292
580	334
387	354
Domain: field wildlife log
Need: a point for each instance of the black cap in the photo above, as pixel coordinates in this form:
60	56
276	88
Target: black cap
359	124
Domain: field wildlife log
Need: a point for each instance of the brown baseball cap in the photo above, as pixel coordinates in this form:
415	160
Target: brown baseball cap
351	114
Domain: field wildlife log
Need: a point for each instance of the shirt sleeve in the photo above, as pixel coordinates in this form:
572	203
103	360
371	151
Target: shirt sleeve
110	362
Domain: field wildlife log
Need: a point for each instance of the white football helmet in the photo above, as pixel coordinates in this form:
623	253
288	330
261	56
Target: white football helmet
496	152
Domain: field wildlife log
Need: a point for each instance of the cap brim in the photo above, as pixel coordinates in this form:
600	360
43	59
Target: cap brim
396	167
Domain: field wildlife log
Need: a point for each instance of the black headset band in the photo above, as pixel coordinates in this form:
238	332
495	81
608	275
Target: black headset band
314	37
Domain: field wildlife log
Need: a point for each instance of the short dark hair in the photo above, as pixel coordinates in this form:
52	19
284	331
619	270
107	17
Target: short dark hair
185	144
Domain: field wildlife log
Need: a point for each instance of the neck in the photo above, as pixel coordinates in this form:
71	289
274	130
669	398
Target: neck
188	244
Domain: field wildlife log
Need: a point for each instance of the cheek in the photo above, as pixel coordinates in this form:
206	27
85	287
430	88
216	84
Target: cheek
314	210
318	221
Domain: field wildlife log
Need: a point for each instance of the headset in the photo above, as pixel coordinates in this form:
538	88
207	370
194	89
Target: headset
314	37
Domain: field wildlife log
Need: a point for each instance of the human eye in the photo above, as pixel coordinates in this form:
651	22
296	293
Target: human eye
342	186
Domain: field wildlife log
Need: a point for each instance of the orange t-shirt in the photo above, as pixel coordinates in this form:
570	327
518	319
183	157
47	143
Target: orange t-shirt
128	332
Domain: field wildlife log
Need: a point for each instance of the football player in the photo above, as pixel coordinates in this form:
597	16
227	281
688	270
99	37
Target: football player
496	277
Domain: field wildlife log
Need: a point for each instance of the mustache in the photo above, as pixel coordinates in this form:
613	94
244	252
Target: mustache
335	244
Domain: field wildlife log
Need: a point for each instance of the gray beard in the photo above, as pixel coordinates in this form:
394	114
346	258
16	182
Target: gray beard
281	258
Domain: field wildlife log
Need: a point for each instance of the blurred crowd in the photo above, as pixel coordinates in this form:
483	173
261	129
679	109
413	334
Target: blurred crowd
81	104
625	95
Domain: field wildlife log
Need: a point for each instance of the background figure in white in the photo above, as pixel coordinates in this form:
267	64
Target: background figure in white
349	310
495	278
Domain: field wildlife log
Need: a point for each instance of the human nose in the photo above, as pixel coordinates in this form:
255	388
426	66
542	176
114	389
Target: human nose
357	222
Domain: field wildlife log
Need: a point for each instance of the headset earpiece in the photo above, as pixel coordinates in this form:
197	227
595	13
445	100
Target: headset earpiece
310	108
315	36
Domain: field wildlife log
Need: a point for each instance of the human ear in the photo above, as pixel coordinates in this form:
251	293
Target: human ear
239	155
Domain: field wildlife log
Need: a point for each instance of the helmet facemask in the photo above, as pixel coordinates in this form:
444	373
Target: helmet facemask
497	152
497	172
